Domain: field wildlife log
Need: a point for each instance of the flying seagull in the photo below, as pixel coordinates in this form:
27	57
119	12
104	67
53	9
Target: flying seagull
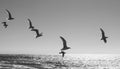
37	33
63	53
5	24
30	24
9	15
103	36
64	44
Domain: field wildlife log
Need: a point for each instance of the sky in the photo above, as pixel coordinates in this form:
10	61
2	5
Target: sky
78	21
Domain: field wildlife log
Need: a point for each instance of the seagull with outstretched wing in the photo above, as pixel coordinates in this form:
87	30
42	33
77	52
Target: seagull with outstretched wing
104	38
9	15
65	47
5	24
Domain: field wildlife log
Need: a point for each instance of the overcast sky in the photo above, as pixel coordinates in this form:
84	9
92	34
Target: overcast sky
78	21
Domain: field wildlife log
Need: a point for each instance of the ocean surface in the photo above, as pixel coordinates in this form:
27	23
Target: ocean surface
73	61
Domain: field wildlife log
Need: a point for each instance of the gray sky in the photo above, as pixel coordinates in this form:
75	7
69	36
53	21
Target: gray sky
78	21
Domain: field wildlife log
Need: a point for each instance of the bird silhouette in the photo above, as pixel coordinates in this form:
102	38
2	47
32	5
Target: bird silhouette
30	24
5	24
63	53
65	47
37	33
9	15
103	36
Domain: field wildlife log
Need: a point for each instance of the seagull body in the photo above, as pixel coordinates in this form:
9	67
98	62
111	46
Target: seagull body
64	44
5	24
37	33
63	53
103	36
30	24
9	15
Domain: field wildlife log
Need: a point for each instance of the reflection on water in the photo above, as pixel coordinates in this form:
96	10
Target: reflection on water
8	61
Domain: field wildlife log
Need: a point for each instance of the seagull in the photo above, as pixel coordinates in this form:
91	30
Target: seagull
63	53
64	44
37	32
30	23
103	36
9	15
5	24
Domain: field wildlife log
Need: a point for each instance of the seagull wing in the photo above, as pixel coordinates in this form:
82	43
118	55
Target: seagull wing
64	42
9	14
103	33
30	22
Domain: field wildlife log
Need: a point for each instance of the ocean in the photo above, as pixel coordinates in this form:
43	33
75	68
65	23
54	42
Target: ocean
71	61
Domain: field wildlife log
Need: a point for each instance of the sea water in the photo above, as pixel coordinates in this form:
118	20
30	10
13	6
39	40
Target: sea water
70	61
